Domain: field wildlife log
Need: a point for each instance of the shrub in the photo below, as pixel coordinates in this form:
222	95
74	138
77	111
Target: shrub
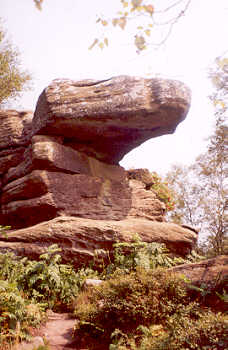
146	309
27	288
45	281
163	192
208	331
16	313
126	301
130	255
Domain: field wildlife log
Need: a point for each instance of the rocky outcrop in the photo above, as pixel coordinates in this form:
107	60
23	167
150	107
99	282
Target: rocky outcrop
64	161
15	128
144	203
107	119
59	169
83	240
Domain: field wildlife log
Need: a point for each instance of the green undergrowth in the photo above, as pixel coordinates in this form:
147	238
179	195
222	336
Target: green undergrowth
129	255
147	310
137	299
28	288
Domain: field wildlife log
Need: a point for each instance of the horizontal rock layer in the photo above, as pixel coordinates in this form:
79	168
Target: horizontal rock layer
83	239
42	195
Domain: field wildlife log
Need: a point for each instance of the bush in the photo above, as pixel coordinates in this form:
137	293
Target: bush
129	300
16	313
208	331
145	310
45	281
27	288
130	255
164	193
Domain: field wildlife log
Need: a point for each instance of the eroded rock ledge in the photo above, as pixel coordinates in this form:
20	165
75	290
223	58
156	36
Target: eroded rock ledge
107	119
63	162
83	239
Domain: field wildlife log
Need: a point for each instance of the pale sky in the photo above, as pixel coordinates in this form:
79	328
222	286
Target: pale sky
54	44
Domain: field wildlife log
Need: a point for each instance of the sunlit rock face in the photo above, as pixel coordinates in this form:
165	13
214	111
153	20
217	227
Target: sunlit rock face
83	240
107	119
63	161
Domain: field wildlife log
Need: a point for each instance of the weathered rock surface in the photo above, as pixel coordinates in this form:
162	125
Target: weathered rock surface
81	238
48	153
144	203
210	272
42	195
15	128
107	119
64	163
10	158
15	134
211	276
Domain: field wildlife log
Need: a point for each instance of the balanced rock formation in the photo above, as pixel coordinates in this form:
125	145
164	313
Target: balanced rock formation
106	119
63	161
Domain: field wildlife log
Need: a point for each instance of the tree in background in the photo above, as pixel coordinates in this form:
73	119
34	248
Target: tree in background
182	180
201	189
13	80
213	165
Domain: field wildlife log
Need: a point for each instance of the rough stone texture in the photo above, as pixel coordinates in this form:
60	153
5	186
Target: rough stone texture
142	175
144	203
80	238
208	271
10	158
48	153
42	195
212	275
64	162
107	119
15	134
15	128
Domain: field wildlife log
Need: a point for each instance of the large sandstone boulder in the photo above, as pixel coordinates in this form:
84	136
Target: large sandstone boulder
107	119
82	240
144	203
